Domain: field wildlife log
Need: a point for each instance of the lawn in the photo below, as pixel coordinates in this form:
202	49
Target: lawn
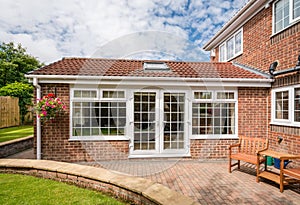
11	133
21	189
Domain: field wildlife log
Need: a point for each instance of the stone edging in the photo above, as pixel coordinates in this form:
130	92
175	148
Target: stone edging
15	146
129	188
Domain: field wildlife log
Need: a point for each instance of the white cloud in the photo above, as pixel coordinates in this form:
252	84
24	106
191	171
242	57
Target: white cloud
53	29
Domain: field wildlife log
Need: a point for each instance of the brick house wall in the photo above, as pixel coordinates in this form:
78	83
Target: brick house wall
56	134
253	118
57	146
290	135
260	48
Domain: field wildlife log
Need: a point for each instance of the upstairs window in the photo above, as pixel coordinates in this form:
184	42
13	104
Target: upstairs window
285	13
232	47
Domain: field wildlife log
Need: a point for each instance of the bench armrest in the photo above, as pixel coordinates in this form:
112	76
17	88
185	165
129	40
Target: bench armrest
234	145
261	150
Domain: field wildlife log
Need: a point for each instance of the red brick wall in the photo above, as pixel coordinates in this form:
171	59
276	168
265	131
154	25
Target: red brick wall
210	149
290	135
260	48
253	118
56	134
253	111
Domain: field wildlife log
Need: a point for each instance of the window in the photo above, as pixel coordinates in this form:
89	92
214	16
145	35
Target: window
222	53
156	66
92	117
297	105
111	94
282	105
214	113
84	94
232	47
296	9
285	12
286	106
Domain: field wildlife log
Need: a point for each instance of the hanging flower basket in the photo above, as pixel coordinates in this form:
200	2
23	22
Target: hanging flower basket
49	106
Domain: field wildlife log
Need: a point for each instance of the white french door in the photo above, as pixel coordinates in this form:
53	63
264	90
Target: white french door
159	123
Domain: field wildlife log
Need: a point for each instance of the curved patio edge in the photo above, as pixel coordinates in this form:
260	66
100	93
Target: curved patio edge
128	188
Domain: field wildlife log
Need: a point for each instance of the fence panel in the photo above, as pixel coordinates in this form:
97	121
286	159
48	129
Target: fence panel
9	111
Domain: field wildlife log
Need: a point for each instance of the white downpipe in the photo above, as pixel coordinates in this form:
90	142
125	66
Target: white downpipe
38	123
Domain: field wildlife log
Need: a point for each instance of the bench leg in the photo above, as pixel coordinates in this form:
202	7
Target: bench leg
239	164
257	172
229	165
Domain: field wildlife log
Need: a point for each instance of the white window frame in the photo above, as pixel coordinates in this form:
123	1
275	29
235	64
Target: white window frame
291	119
97	99
235	54
112	90
84	89
215	100
292	20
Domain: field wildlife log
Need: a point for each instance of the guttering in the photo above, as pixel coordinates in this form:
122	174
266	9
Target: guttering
140	78
38	122
282	72
237	21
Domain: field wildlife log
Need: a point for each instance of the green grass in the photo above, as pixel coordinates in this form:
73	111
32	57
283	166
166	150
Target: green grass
11	133
25	190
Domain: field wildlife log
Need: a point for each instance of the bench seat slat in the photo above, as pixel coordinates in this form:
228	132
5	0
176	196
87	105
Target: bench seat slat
247	158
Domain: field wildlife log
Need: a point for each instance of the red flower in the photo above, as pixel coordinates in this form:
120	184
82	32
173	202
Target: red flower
50	95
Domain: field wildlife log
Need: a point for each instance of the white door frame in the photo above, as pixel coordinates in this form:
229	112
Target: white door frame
159	125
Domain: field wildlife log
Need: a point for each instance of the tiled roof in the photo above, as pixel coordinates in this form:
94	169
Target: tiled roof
132	68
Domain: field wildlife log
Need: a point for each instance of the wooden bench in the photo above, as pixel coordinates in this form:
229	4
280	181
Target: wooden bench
246	150
288	173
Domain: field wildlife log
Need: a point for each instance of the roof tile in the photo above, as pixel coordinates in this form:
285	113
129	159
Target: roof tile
119	67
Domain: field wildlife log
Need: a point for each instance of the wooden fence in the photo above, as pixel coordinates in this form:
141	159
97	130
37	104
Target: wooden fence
9	111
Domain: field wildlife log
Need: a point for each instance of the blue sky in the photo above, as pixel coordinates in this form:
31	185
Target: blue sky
148	29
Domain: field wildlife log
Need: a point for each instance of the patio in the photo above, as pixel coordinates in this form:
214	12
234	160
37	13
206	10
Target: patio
207	182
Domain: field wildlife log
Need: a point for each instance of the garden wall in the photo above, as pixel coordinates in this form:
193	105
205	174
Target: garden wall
131	189
15	146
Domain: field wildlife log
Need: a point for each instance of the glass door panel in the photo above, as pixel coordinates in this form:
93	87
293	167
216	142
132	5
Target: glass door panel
144	121
173	109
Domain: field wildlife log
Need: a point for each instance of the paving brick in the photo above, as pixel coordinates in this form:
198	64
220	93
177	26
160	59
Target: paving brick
208	182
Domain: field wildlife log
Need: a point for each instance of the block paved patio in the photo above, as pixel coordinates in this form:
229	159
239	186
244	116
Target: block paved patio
207	182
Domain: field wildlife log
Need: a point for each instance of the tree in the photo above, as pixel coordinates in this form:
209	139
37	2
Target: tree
14	63
23	91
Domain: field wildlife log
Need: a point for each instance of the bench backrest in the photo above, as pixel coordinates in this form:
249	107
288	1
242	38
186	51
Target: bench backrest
250	145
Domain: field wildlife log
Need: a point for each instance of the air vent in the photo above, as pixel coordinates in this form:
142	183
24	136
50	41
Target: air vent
156	66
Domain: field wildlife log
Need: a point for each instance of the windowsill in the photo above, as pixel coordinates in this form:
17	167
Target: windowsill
286	28
169	155
288	124
235	56
98	138
213	137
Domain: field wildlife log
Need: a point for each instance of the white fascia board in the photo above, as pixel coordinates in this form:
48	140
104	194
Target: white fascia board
237	21
162	81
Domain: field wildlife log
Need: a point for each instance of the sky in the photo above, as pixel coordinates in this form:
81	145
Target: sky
131	29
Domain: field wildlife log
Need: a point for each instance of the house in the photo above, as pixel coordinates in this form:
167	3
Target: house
120	109
265	35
